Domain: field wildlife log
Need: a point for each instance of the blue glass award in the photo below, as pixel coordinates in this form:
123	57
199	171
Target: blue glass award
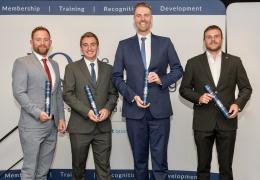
145	92
217	101
91	100
47	107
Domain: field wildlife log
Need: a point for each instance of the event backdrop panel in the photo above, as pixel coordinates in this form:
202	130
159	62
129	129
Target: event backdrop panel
185	28
243	40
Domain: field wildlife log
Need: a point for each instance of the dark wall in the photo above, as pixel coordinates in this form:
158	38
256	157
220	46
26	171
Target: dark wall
227	2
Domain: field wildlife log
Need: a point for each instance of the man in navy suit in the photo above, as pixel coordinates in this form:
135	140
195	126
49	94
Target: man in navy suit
148	125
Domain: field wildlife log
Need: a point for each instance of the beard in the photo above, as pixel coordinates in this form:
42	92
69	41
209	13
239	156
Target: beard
42	50
215	48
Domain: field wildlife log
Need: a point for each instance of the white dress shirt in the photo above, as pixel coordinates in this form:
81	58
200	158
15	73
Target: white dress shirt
88	62
147	47
215	66
40	57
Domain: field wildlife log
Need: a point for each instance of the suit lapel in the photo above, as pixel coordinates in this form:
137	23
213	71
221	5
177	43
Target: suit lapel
37	63
154	51
100	73
55	71
206	68
224	68
136	51
85	72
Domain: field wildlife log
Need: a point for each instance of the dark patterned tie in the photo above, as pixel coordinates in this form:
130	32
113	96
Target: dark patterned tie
93	74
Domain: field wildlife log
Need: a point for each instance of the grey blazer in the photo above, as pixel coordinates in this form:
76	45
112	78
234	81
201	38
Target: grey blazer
105	95
28	83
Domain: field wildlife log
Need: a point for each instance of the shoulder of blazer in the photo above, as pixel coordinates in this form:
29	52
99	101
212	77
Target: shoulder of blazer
197	59
75	64
159	37
26	59
105	67
104	64
128	40
230	56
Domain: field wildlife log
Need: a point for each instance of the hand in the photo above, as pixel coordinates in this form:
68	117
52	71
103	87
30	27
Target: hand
205	98
62	126
233	111
44	116
104	113
140	103
92	116
153	77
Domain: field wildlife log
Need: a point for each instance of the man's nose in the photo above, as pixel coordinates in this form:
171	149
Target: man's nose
142	18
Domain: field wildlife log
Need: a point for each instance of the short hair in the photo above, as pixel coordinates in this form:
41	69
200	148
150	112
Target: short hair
211	27
88	34
142	4
40	28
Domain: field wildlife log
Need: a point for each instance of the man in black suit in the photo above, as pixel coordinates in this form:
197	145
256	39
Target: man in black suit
223	72
85	127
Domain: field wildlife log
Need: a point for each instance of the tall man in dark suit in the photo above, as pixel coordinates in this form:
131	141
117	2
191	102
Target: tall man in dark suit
223	72
38	130
148	125
84	126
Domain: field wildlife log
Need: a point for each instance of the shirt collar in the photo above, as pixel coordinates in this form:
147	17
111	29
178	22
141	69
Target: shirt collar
209	55
88	62
39	57
148	36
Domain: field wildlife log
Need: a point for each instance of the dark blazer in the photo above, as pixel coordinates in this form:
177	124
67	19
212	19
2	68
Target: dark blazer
105	95
128	57
197	74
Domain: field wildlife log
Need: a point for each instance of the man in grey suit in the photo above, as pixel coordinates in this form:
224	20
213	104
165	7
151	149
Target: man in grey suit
84	126
223	72
37	129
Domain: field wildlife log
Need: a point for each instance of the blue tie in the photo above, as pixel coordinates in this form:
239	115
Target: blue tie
143	51
93	74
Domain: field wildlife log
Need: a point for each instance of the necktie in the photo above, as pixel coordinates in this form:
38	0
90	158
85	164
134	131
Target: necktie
47	70
143	51
93	74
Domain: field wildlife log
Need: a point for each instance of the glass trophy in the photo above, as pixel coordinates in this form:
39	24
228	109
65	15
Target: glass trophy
145	92
47	107
217	101
91	100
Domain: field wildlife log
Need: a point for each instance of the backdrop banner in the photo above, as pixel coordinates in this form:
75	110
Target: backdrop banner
182	20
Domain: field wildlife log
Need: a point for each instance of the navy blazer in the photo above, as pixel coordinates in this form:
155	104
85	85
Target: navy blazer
128	58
